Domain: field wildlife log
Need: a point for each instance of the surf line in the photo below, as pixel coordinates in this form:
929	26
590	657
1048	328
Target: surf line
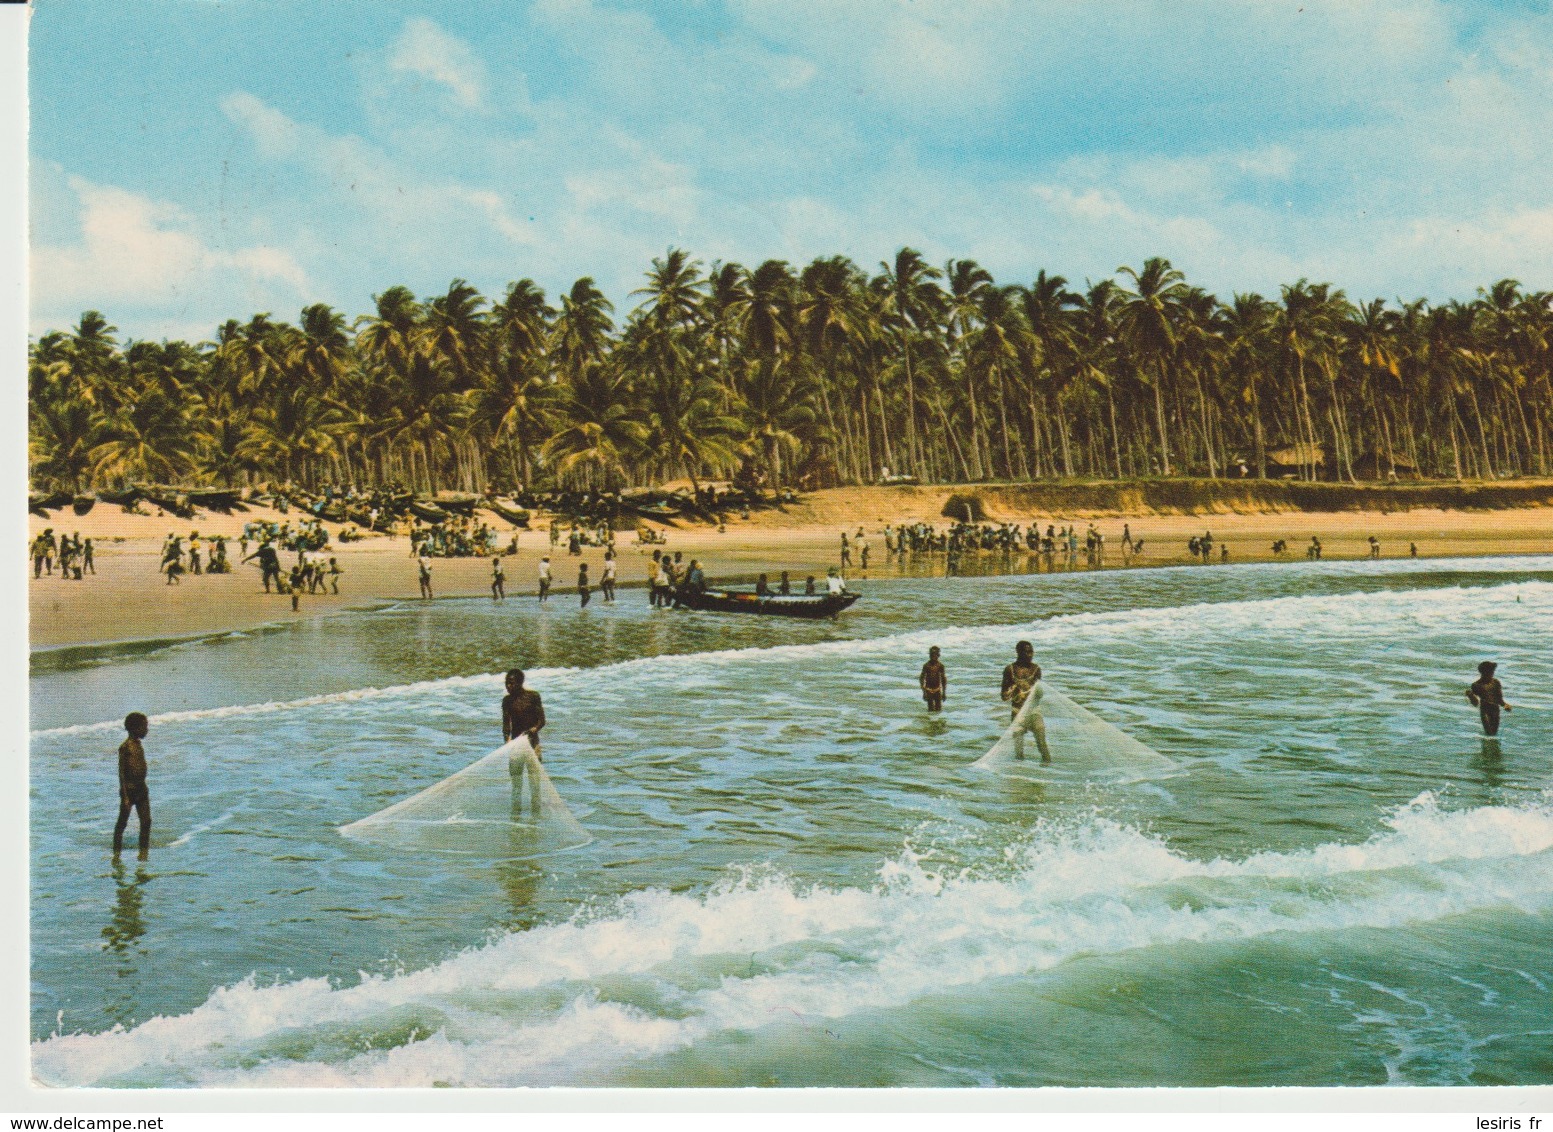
1125	620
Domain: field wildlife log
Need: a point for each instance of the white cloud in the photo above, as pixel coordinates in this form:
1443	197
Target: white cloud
135	252
425	51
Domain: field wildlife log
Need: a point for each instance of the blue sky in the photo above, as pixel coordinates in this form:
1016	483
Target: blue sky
194	160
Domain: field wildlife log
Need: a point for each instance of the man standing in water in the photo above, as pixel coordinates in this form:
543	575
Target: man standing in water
522	713
584	590
934	681
1487	695
1020	681
132	783
423	563
544	577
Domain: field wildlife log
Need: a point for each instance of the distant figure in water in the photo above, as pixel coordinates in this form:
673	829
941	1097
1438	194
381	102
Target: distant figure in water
785	587
584	590
544	577
522	712
934	681
763	587
1487	695
1412	550
1021	680
424	563
808	586
132	783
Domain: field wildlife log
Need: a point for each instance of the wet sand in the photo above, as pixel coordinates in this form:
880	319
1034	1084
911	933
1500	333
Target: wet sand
128	599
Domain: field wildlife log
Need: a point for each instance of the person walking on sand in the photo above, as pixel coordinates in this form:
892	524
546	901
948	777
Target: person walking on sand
1374	547
934	681
87	562
133	794
269	566
423	565
1487	695
498	580
1021	681
334	576
1126	538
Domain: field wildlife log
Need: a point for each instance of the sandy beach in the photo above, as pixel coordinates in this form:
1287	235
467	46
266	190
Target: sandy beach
128	600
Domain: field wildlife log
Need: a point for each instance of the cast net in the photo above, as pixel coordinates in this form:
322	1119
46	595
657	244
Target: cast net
1079	743
501	807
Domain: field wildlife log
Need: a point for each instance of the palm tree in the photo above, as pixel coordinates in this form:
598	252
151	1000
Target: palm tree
911	305
1247	328
1148	320
600	434
513	405
969	284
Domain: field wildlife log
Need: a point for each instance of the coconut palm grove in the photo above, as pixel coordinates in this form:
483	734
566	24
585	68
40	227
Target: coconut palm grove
811	377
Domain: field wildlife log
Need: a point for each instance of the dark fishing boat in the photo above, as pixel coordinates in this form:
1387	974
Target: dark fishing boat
812	607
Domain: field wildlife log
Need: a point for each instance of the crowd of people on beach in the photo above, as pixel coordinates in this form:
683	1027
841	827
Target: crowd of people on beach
457	537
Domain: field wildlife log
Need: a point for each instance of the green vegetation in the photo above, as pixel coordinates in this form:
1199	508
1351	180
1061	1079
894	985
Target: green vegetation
820	376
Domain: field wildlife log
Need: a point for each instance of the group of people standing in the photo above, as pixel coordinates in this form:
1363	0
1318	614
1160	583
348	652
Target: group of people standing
71	552
176	562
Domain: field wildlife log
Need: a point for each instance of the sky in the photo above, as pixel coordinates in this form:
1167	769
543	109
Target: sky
194	160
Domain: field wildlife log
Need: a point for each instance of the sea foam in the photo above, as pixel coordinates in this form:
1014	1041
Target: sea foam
657	971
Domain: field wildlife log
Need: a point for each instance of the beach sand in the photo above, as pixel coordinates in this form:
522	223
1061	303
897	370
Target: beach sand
129	600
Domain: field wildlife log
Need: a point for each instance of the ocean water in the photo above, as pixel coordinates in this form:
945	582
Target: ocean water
795	877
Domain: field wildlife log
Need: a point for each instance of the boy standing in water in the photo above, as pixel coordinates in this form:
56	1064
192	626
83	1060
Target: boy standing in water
544	575
1019	683
522	712
1487	695
934	681
132	783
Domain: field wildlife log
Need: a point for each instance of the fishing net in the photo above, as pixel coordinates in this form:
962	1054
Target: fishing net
500	807
1080	743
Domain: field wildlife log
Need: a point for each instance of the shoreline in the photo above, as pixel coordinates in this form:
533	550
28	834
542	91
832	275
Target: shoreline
127	601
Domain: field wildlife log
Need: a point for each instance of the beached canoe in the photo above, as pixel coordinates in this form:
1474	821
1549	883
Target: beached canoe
517	516
427	511
83	504
743	601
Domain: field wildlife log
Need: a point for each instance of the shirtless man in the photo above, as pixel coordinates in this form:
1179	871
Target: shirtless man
522	712
934	681
1021	680
1487	695
132	783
